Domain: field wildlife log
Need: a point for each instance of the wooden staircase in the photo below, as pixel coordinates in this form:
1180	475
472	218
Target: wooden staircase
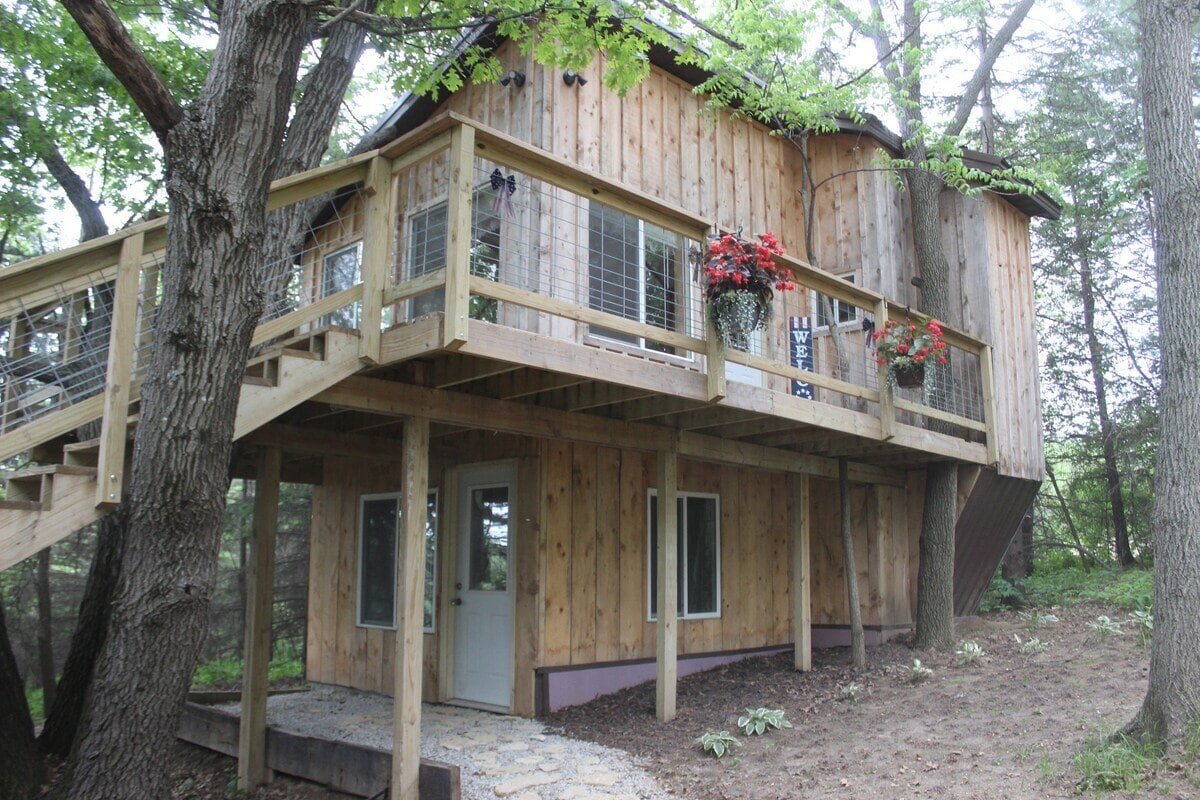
48	501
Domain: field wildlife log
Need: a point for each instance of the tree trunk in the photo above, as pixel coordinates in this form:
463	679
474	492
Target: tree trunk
1172	703
858	649
1107	435
220	157
45	634
935	574
20	767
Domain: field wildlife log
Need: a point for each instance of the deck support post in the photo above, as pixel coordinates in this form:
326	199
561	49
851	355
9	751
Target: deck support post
801	575
458	241
410	586
667	600
110	469
379	229
256	648
887	410
714	366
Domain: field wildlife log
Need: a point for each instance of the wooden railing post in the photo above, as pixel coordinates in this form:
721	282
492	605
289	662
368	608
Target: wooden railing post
887	408
458	240
714	362
989	404
379	228
110	466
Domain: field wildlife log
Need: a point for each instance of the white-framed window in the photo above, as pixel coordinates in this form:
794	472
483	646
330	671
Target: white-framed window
636	270
378	533
699	556
844	313
341	270
427	235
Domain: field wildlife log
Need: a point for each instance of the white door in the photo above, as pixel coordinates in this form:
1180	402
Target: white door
483	595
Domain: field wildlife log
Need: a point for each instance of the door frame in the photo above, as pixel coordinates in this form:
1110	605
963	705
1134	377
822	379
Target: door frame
451	496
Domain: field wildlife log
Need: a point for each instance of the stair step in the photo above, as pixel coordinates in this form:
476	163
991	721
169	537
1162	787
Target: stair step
28	487
297	353
20	505
256	380
51	469
82	454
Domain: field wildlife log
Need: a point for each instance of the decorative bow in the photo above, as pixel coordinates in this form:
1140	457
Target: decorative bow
868	326
504	188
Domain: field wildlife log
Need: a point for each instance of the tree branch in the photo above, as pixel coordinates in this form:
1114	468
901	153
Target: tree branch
970	94
121	54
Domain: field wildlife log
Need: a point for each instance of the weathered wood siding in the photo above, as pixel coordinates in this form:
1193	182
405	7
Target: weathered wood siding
581	566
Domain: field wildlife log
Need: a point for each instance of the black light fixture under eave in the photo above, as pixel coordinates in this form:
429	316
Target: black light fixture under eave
516	78
571	78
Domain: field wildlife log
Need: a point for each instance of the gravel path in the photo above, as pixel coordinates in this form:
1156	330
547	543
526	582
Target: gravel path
500	756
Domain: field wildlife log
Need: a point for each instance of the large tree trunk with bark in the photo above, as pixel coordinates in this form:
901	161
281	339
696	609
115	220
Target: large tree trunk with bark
935	573
45	632
220	155
1112	475
1172	703
20	767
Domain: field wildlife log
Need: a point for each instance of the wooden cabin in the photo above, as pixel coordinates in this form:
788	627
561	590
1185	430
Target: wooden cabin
492	360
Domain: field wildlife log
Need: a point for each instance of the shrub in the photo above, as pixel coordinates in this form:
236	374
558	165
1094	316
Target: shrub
1031	646
1127	590
969	653
718	743
1119	764
1103	627
917	672
1143	624
757	721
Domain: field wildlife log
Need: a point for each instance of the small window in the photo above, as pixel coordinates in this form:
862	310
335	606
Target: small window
843	312
379	522
341	270
427	235
699	557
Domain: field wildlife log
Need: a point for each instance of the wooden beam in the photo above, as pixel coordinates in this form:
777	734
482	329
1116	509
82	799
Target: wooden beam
310	440
256	650
379	228
458	237
110	470
801	572
714	362
379	396
887	408
989	405
667	638
406	727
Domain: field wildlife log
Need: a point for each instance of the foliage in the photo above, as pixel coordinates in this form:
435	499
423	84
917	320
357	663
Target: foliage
854	692
917	672
1103	627
1121	763
1143	624
37	707
1030	647
906	347
718	743
969	654
1128	590
741	280
225	672
1000	595
757	721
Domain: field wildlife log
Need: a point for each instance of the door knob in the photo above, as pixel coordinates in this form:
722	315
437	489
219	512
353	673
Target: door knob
456	601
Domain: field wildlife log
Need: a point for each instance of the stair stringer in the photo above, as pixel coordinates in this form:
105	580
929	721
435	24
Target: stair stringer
26	528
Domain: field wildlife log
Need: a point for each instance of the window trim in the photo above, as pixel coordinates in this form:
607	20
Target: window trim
650	617
683	294
433	492
850	277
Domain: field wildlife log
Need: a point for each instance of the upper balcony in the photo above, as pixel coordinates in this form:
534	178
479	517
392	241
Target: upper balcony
473	263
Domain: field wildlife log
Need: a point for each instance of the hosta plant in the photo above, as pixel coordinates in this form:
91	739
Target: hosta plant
718	743
1103	627
969	653
917	672
1143	623
1031	646
854	692
757	721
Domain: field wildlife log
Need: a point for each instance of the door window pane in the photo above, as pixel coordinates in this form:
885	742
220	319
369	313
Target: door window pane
431	529
489	539
699	545
377	563
340	270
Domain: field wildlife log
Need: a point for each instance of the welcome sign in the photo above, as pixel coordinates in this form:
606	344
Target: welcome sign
800	340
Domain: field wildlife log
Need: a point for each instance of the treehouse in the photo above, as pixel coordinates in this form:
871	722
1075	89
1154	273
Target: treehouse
541	472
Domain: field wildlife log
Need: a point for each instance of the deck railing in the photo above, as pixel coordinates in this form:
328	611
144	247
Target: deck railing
466	221
529	240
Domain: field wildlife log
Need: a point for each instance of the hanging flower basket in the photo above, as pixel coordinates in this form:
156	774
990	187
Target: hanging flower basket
743	277
906	347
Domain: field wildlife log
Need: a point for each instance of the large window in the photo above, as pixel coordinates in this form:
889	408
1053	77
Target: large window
427	234
635	272
379	525
699	557
341	270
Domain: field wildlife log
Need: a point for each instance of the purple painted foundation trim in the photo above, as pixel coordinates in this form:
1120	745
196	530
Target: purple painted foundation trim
574	686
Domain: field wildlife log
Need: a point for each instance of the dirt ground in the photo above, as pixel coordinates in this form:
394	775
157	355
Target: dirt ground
199	774
1007	728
